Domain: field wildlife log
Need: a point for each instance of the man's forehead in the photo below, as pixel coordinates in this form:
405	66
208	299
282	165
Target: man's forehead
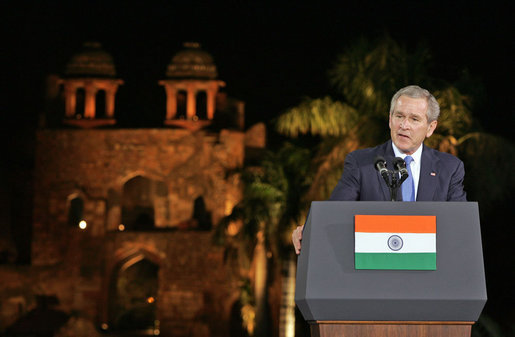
405	101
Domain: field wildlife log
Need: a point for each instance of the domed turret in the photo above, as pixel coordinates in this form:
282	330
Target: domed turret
192	62
91	61
90	87
191	88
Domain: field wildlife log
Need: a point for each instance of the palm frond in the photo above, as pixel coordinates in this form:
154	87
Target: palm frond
323	117
455	115
328	167
368	73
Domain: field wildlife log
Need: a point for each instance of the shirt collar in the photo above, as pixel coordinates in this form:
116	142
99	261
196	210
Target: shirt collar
416	155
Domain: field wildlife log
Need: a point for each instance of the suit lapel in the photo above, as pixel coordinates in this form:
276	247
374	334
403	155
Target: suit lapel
428	175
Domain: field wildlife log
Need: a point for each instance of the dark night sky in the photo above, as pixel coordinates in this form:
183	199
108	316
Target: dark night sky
269	55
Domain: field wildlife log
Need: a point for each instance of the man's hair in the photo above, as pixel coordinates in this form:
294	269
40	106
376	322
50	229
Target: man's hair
414	91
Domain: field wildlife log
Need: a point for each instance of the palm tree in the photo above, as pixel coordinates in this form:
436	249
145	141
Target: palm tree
256	233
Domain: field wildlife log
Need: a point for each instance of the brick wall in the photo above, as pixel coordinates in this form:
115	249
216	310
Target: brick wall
196	289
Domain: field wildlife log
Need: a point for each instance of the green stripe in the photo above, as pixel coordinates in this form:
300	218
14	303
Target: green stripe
406	261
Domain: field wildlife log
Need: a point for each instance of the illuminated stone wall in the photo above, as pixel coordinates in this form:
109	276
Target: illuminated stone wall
95	165
196	289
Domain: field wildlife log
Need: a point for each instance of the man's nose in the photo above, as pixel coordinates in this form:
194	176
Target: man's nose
404	124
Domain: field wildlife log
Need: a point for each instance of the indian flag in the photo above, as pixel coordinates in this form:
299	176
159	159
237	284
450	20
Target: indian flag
395	242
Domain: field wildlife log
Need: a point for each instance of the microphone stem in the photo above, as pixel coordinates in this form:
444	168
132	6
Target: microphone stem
393	193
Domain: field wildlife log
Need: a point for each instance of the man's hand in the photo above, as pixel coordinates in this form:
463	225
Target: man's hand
296	238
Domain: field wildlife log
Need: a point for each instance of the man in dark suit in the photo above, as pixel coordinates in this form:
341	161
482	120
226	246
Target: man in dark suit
434	176
440	179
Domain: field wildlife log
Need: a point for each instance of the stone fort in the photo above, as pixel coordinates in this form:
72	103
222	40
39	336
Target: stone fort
123	218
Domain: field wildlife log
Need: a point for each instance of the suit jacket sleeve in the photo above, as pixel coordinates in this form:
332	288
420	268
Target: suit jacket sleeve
456	191
348	187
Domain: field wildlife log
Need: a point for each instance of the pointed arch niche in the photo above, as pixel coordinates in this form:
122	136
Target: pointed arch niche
143	204
75	208
75	211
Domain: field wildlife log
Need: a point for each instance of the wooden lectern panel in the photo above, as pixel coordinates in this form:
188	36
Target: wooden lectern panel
390	329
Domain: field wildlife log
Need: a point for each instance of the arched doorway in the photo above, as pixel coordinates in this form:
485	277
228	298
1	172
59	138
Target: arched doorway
133	295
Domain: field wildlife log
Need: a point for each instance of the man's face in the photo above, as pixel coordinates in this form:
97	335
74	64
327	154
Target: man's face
408	124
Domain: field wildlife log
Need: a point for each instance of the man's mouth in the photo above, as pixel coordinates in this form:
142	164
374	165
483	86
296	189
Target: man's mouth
403	136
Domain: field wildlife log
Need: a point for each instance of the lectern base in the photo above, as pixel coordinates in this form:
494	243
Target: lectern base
389	329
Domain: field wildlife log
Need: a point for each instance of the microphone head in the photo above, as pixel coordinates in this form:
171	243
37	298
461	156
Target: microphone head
379	162
400	166
399	163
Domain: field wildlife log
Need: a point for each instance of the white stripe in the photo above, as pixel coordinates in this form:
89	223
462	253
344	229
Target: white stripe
378	242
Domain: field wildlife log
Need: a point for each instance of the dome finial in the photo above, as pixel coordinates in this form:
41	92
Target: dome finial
193	45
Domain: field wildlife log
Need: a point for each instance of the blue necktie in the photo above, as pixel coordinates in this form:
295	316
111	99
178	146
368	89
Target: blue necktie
408	186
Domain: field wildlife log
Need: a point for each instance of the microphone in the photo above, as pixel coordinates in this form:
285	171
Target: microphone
380	165
400	166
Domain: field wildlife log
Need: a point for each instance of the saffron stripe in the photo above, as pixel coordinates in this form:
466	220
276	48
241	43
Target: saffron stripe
395	223
408	261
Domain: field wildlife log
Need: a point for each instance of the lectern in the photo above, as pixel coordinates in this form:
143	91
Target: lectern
339	300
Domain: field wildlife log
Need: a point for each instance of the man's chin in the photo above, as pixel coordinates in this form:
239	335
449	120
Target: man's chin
404	147
401	143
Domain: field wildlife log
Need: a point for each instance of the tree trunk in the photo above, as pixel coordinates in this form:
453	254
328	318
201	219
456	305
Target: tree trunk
287	311
260	287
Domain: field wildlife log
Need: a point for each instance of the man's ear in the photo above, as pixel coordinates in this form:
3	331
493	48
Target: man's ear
431	128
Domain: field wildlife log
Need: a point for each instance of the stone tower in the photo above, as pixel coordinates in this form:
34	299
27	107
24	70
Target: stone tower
90	87
191	87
